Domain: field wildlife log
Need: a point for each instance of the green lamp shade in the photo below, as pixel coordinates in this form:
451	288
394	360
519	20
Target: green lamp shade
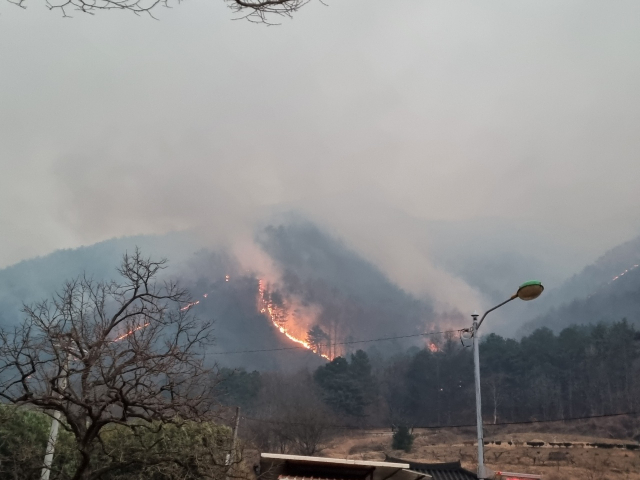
530	290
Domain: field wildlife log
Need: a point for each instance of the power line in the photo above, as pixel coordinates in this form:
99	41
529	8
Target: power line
351	342
442	427
528	422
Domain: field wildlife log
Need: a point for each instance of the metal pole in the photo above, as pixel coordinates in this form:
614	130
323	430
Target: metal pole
482	471
235	435
231	455
53	433
51	445
476	364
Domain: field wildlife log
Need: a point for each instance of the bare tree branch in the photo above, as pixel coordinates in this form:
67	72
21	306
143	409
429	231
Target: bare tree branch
258	11
128	352
261	11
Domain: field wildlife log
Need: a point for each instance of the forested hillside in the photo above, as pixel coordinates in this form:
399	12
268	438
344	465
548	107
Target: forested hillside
355	298
582	371
606	291
38	278
315	280
319	284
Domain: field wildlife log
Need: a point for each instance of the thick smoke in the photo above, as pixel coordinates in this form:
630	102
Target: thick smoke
355	297
318	286
400	121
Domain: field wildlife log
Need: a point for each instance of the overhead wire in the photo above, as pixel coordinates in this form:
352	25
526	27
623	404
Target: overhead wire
366	430
350	342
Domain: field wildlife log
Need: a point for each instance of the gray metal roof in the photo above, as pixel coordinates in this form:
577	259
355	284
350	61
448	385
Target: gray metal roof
298	467
439	471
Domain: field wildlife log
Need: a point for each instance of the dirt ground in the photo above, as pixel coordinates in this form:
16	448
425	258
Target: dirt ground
576	462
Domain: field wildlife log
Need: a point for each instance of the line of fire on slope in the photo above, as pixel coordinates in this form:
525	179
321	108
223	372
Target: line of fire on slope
278	318
296	467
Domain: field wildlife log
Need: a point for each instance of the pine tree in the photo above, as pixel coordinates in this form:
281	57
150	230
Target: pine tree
403	439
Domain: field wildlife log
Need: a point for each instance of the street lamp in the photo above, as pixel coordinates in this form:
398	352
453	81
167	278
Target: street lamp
527	291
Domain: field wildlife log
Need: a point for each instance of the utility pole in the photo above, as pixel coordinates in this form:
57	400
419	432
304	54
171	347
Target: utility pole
231	456
476	365
234	445
527	291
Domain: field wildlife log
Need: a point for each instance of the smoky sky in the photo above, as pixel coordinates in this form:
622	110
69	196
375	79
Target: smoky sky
509	125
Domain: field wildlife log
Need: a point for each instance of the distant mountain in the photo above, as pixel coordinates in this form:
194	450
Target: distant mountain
320	283
353	295
38	278
607	290
232	304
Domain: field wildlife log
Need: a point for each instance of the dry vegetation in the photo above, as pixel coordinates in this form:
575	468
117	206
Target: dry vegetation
554	463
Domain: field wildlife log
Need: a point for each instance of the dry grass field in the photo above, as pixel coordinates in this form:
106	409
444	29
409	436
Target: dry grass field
577	462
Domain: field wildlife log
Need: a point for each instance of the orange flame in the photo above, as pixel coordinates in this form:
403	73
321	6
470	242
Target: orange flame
130	332
433	347
633	267
189	305
269	310
621	274
266	307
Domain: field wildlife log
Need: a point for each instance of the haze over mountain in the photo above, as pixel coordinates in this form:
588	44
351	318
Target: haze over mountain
605	291
313	279
461	148
38	278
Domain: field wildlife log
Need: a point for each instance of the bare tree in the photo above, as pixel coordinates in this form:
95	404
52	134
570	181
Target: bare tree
291	416
259	11
112	358
495	384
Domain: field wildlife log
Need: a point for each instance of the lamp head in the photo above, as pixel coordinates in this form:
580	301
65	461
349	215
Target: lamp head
529	290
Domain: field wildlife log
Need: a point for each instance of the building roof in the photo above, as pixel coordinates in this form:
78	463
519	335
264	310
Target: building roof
439	471
299	467
335	461
290	477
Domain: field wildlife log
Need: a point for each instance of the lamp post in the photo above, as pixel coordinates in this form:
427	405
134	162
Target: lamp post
527	291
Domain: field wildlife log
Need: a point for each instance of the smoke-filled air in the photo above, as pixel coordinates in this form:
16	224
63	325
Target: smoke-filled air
298	208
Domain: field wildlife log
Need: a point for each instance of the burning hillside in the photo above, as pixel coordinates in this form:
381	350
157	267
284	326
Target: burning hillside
318	296
313	292
280	316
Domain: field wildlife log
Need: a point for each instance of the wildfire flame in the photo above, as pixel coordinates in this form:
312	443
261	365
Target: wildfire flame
183	309
433	347
269	310
130	332
626	271
633	267
266	307
189	305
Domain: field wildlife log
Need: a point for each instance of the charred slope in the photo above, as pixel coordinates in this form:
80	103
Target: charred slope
351	297
232	304
228	294
355	297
